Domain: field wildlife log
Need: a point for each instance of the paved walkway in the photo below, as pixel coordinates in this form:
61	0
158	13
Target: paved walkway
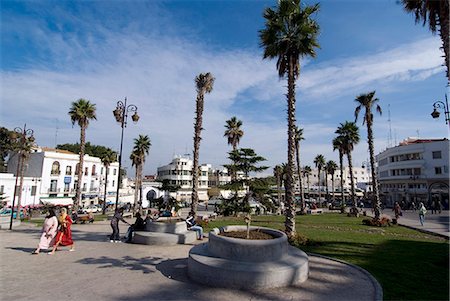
100	270
437	223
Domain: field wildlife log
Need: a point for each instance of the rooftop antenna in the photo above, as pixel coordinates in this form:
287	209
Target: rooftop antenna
390	127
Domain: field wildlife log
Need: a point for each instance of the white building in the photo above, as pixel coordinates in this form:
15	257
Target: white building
179	173
51	177
415	170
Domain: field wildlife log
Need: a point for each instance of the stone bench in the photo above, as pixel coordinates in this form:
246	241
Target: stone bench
314	211
162	238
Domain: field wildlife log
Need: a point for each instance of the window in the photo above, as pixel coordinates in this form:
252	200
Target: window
55	168
53	185
77	168
2	189
437	155
68	170
66	187
86	171
438	170
93	170
101	170
84	186
115	171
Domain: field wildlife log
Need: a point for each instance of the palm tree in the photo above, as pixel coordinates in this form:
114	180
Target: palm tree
298	137
368	101
140	150
319	161
23	149
289	34
234	134
204	83
307	172
278	172
331	169
338	144
107	158
349	132
437	13
81	112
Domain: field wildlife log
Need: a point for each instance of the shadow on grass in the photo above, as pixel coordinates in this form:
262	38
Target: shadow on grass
406	269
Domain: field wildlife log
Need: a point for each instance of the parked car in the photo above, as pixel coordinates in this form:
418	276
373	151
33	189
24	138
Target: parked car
7	212
90	208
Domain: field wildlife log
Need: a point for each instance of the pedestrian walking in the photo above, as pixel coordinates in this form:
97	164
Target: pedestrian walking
422	212
64	235
397	211
49	229
118	216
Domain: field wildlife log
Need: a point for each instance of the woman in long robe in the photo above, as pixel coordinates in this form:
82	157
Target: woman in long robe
64	235
49	230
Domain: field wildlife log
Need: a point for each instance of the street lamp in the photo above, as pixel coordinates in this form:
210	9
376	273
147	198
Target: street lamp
121	115
23	135
441	105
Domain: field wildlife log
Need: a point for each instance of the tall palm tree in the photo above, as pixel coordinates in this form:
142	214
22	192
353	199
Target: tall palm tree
140	151
338	144
290	33
107	158
319	161
278	172
23	152
307	172
81	112
331	169
234	134
369	101
437	13
298	137
204	83
349	132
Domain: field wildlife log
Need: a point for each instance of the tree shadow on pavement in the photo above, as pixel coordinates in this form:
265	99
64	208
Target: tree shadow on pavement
145	264
175	269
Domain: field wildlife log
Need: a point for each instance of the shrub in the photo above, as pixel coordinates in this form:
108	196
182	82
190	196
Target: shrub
383	222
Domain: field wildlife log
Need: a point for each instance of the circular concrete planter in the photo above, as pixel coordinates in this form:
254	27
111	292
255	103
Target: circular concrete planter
247	264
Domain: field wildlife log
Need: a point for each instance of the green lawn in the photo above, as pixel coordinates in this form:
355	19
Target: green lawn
409	265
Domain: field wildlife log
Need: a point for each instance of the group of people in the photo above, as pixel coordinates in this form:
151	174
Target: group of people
56	232
422	211
140	223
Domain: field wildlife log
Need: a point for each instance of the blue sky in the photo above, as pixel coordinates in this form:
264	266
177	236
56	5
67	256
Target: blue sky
54	52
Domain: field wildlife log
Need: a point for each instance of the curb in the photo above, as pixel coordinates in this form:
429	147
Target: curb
426	231
375	283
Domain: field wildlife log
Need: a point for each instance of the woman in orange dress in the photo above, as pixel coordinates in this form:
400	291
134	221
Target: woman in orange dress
64	235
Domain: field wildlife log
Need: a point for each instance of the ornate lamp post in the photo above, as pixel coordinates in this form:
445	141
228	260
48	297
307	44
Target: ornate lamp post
22	135
441	105
121	115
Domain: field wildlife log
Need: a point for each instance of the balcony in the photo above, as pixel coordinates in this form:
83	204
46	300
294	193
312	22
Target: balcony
55	172
54	190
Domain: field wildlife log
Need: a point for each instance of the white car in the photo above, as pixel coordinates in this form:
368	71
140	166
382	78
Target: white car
90	208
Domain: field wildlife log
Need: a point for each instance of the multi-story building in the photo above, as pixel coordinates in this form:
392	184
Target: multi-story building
55	176
179	173
415	170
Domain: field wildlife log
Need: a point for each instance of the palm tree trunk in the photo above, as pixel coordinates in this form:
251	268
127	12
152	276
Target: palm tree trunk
318	178
290	193
279	187
136	188
341	167
332	186
376	196
197	138
76	201
352	181
19	193
139	203
106	188
326	185
299	173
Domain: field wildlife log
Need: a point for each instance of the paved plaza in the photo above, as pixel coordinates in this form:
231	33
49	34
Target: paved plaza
100	270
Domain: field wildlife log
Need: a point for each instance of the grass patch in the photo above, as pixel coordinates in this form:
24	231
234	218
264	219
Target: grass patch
409	264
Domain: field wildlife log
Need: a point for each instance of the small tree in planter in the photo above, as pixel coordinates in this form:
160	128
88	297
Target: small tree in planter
244	160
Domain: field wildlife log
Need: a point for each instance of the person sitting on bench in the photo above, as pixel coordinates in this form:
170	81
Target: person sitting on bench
138	225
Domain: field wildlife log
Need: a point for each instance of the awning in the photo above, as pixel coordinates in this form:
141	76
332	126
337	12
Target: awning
57	201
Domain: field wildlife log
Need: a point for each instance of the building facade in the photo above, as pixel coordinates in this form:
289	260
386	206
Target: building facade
52	174
417	170
179	173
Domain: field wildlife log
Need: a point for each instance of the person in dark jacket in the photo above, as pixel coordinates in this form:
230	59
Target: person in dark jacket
139	225
118	216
